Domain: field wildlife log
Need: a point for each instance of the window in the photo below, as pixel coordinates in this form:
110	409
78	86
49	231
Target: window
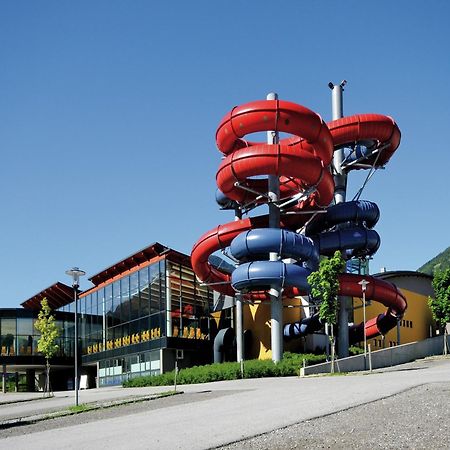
144	292
116	302
25	326
155	292
135	310
125	299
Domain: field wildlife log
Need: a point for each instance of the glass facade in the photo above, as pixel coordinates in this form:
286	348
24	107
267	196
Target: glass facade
19	337
124	312
116	370
188	305
161	300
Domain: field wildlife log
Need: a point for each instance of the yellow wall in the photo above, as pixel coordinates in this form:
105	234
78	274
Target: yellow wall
418	315
257	319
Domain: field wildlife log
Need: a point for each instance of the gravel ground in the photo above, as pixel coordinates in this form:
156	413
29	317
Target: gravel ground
415	419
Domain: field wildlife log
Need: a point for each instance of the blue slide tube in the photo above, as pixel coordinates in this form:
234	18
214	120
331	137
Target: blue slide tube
302	328
256	244
358	241
261	275
252	248
360	212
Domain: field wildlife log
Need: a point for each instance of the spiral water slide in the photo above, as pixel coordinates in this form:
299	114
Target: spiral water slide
306	186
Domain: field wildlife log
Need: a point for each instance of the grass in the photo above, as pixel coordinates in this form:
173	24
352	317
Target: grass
288	366
80	408
84	407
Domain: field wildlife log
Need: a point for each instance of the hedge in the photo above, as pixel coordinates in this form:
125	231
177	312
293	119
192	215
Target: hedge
288	366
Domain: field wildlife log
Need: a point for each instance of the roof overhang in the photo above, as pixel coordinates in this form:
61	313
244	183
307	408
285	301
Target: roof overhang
142	257
57	295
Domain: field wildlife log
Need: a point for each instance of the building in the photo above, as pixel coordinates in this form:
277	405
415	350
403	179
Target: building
417	323
148	309
141	312
18	341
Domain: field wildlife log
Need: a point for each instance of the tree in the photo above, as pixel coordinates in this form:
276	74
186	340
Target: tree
46	325
440	303
325	287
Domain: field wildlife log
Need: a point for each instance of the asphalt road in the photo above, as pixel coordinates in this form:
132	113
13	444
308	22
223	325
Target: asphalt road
217	414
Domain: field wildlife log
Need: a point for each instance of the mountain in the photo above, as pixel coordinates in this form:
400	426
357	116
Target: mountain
439	262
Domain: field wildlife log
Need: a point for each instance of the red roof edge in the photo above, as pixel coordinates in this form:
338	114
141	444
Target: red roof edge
58	295
136	259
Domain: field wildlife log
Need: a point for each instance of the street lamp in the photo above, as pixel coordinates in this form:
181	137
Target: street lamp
76	273
364	284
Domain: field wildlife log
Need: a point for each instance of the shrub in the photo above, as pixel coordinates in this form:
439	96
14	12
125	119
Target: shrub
289	366
354	350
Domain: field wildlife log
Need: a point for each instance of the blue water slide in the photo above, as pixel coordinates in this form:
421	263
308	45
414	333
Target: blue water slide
223	201
355	237
357	241
361	151
261	275
252	248
306	326
359	212
256	244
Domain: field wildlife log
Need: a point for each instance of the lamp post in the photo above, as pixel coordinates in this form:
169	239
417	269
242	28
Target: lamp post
76	273
364	284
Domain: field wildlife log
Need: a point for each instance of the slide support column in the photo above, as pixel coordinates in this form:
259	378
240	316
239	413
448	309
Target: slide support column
340	191
239	315
276	303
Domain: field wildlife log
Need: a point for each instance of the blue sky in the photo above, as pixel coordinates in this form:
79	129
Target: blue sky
108	112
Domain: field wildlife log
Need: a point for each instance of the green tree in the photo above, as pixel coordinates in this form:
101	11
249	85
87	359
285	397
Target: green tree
325	287
440	303
46	325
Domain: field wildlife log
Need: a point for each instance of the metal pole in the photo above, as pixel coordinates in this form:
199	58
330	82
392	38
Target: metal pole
75	295
239	315
168	305
76	273
340	190
4	379
276	305
364	320
363	283
176	373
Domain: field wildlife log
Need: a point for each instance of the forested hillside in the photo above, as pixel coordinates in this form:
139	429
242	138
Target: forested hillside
439	262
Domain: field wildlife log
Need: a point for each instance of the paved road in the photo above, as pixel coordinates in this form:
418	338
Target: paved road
238	410
64	399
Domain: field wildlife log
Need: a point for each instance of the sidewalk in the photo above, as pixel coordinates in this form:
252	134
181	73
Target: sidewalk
26	404
249	408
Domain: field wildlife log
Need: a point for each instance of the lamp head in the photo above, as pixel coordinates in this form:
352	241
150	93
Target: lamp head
364	284
75	273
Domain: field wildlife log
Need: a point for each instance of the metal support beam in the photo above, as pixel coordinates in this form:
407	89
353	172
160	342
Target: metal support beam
340	191
276	303
4	379
239	315
168	305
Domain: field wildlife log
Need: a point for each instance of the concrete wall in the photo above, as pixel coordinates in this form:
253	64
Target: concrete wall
384	358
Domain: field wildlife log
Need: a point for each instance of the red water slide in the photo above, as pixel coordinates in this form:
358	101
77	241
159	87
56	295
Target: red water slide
302	164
